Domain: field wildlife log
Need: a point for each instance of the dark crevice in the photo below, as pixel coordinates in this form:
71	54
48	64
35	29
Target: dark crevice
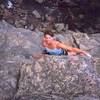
18	79
17	85
75	42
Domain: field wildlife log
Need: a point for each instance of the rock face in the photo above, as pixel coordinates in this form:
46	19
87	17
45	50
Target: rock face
46	77
58	78
18	42
49	77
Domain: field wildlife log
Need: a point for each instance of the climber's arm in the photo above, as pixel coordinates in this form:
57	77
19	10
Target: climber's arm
63	46
72	49
69	48
81	52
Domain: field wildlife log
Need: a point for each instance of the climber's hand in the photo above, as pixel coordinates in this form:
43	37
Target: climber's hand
87	54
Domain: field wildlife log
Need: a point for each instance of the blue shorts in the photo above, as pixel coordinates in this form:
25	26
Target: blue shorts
55	51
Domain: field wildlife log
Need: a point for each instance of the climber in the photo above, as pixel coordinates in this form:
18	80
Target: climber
55	47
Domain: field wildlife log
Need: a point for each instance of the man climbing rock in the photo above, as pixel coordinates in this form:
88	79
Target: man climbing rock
55	47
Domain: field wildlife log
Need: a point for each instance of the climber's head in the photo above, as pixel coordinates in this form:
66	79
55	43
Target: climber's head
48	35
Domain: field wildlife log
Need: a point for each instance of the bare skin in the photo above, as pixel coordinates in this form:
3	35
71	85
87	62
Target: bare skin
49	42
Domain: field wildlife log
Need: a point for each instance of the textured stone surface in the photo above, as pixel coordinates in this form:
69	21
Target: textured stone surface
36	13
45	77
83	16
40	1
18	42
87	43
9	75
86	97
49	77
59	27
54	77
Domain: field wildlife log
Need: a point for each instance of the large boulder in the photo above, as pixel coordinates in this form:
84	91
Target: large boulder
58	78
18	42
